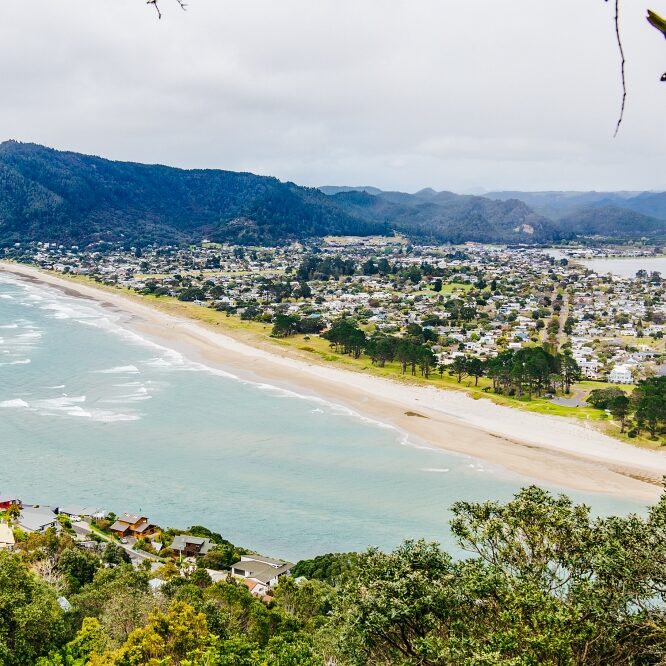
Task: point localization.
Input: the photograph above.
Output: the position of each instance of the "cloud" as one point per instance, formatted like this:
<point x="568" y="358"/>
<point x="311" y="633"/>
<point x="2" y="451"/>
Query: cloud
<point x="453" y="95"/>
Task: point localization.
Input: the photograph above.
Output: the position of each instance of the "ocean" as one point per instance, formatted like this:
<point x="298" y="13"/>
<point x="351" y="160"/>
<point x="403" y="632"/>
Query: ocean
<point x="92" y="414"/>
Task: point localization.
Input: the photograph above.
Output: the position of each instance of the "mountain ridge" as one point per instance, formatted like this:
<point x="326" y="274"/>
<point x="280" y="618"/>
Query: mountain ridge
<point x="67" y="197"/>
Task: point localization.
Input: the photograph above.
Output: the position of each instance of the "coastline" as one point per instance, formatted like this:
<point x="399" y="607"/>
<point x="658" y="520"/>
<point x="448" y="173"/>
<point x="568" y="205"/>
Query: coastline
<point x="547" y="449"/>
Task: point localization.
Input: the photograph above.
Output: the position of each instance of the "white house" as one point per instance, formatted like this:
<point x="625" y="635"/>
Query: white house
<point x="261" y="569"/>
<point x="621" y="374"/>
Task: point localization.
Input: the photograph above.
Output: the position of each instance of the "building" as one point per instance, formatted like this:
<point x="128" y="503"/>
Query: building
<point x="38" y="519"/>
<point x="135" y="526"/>
<point x="261" y="569"/>
<point x="191" y="546"/>
<point x="7" y="499"/>
<point x="6" y="537"/>
<point x="76" y="513"/>
<point x="621" y="374"/>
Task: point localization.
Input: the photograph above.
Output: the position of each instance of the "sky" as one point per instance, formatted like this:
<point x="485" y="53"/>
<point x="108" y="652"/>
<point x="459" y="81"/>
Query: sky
<point x="461" y="95"/>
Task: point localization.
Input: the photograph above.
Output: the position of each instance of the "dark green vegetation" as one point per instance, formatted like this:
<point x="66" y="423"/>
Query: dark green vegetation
<point x="68" y="198"/>
<point x="647" y="406"/>
<point x="544" y="584"/>
<point x="524" y="373"/>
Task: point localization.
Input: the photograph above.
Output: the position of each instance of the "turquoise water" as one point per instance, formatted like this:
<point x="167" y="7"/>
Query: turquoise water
<point x="92" y="414"/>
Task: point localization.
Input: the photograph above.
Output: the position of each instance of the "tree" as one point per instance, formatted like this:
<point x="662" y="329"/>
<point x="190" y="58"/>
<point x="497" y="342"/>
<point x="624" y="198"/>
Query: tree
<point x="31" y="621"/>
<point x="459" y="368"/>
<point x="169" y="638"/>
<point x="570" y="370"/>
<point x="649" y="399"/>
<point x="619" y="408"/>
<point x="603" y="398"/>
<point x="284" y="325"/>
<point x="114" y="554"/>
<point x="78" y="566"/>
<point x="475" y="368"/>
<point x="545" y="583"/>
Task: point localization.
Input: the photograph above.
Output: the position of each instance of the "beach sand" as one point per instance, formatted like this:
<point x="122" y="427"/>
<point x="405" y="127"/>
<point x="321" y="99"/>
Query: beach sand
<point x="546" y="449"/>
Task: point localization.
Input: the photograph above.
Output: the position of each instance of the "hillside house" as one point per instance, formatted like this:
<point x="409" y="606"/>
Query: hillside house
<point x="129" y="525"/>
<point x="191" y="546"/>
<point x="261" y="569"/>
<point x="8" y="499"/>
<point x="38" y="519"/>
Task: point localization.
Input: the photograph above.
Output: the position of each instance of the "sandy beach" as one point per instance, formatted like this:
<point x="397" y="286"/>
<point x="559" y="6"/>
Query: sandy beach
<point x="545" y="449"/>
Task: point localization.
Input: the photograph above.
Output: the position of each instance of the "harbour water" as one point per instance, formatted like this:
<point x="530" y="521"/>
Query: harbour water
<point x="92" y="414"/>
<point x="620" y="266"/>
<point x="627" y="267"/>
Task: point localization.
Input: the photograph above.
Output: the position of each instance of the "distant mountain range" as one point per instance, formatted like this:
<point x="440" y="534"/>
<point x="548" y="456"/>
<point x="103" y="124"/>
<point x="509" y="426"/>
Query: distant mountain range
<point x="70" y="198"/>
<point x="551" y="215"/>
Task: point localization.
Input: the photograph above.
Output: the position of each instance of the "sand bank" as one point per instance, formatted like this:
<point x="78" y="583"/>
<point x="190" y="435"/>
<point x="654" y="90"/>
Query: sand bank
<point x="545" y="449"/>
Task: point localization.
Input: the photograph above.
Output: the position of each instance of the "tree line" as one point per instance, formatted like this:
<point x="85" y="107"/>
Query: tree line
<point x="526" y="372"/>
<point x="644" y="409"/>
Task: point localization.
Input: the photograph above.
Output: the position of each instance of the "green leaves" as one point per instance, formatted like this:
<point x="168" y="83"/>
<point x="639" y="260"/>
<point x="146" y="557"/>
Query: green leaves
<point x="655" y="20"/>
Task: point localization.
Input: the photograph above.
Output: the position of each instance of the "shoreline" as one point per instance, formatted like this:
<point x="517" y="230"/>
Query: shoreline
<point x="545" y="449"/>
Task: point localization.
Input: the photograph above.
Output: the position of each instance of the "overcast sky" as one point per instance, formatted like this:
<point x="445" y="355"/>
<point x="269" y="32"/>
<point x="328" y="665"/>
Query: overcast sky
<point x="466" y="95"/>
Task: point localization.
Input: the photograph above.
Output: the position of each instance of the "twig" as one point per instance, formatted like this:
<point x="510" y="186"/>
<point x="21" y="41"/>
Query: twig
<point x="155" y="4"/>
<point x="623" y="66"/>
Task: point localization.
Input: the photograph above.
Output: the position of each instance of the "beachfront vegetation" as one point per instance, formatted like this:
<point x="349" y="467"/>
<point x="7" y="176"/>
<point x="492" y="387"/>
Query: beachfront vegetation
<point x="542" y="583"/>
<point x="647" y="405"/>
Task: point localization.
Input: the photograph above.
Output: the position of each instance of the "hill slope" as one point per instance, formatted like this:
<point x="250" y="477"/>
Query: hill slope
<point x="66" y="197"/>
<point x="71" y="198"/>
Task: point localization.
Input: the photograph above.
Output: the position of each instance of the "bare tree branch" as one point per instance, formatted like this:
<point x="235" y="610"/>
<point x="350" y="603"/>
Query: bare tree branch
<point x="155" y="3"/>
<point x="623" y="66"/>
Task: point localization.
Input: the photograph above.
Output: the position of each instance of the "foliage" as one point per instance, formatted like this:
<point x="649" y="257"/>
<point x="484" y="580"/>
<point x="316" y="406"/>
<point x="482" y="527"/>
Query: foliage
<point x="31" y="621"/>
<point x="546" y="585"/>
<point x="543" y="583"/>
<point x="332" y="568"/>
<point x="602" y="398"/>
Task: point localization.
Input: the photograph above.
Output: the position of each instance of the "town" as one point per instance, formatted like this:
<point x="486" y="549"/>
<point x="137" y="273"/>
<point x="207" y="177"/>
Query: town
<point x="127" y="538"/>
<point x="464" y="308"/>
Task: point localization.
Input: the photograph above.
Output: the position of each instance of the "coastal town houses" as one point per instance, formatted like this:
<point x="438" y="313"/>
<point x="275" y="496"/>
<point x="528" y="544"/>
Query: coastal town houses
<point x="38" y="519"/>
<point x="190" y="546"/>
<point x="8" y="499"/>
<point x="261" y="569"/>
<point x="77" y="513"/>
<point x="129" y="525"/>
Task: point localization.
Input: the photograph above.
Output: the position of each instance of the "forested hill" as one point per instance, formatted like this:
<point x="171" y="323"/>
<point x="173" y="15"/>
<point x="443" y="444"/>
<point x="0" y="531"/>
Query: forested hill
<point x="71" y="198"/>
<point x="66" y="197"/>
